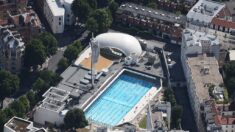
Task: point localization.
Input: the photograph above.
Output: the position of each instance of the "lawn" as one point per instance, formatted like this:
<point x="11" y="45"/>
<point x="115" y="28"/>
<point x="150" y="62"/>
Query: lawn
<point x="143" y="122"/>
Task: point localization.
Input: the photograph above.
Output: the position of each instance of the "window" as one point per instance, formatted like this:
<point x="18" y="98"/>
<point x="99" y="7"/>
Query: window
<point x="59" y="23"/>
<point x="60" y="18"/>
<point x="68" y="15"/>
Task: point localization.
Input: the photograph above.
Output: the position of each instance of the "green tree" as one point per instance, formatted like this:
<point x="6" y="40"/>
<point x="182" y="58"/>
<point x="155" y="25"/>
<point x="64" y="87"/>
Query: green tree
<point x="50" y="42"/>
<point x="75" y="119"/>
<point x="176" y="114"/>
<point x="92" y="25"/>
<point x="35" y="54"/>
<point x="24" y="100"/>
<point x="92" y="3"/>
<point x="81" y="9"/>
<point x="113" y="8"/>
<point x="32" y="97"/>
<point x="62" y="65"/>
<point x="103" y="3"/>
<point x="103" y="19"/>
<point x="152" y="5"/>
<point x="39" y="85"/>
<point x="19" y="108"/>
<point x="71" y="53"/>
<point x="9" y="84"/>
<point x="178" y="13"/>
<point x="168" y="95"/>
<point x="50" y="78"/>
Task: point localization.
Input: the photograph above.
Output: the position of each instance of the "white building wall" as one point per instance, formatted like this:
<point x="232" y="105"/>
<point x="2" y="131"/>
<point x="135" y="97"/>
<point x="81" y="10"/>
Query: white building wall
<point x="42" y="115"/>
<point x="7" y="129"/>
<point x="69" y="17"/>
<point x="55" y="21"/>
<point x="228" y="128"/>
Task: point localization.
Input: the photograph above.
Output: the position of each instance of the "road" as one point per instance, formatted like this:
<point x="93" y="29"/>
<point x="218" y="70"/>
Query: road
<point x="52" y="65"/>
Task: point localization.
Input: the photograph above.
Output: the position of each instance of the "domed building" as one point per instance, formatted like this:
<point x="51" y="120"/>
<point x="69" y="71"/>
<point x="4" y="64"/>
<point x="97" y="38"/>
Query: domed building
<point x="119" y="44"/>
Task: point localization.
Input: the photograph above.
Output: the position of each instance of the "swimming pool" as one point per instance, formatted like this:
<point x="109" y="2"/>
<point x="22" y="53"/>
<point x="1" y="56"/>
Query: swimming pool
<point x="118" y="99"/>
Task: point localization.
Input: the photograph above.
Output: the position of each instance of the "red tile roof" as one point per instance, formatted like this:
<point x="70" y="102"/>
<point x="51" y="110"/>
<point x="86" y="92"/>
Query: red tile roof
<point x="222" y="120"/>
<point x="224" y="23"/>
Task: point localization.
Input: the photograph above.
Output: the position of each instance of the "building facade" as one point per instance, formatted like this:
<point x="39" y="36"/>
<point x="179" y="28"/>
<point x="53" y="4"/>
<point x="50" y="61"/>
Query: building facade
<point x="58" y="14"/>
<point x="17" y="124"/>
<point x="12" y="48"/>
<point x="164" y="25"/>
<point x="199" y="57"/>
<point x="51" y="110"/>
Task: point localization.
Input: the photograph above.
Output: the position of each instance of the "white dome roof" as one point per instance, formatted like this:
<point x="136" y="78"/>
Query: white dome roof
<point x="124" y="42"/>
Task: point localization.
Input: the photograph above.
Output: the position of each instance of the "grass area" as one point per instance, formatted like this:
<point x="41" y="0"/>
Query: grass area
<point x="143" y="122"/>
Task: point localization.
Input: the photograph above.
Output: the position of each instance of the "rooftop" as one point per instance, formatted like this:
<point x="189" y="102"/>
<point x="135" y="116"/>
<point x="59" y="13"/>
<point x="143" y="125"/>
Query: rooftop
<point x="52" y="104"/>
<point x="232" y="55"/>
<point x="56" y="94"/>
<point x="223" y="23"/>
<point x="204" y="71"/>
<point x="152" y="13"/>
<point x="18" y="125"/>
<point x="56" y="8"/>
<point x="205" y="10"/>
<point x="197" y="38"/>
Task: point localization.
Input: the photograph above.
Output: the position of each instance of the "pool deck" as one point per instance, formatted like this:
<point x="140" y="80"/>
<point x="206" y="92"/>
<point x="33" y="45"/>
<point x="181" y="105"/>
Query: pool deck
<point x="138" y="108"/>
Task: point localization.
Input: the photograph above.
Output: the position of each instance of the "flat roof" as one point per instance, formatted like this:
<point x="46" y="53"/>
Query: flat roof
<point x="56" y="94"/>
<point x="153" y="13"/>
<point x="205" y="10"/>
<point x="56" y="8"/>
<point x="18" y="125"/>
<point x="53" y="105"/>
<point x="232" y="55"/>
<point x="193" y="37"/>
<point x="103" y="63"/>
<point x="198" y="66"/>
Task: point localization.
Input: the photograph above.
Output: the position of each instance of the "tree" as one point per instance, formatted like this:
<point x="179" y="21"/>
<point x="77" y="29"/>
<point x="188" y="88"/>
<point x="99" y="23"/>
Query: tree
<point x="113" y="7"/>
<point x="24" y="100"/>
<point x="92" y="3"/>
<point x="178" y="13"/>
<point x="103" y="19"/>
<point x="35" y="54"/>
<point x="152" y="5"/>
<point x="50" y="78"/>
<point x="71" y="53"/>
<point x="19" y="108"/>
<point x="32" y="97"/>
<point x="103" y="3"/>
<point x="176" y="114"/>
<point x="39" y="85"/>
<point x="9" y="84"/>
<point x="168" y="95"/>
<point x="50" y="43"/>
<point x="92" y="25"/>
<point x="81" y="9"/>
<point x="62" y="65"/>
<point x="75" y="119"/>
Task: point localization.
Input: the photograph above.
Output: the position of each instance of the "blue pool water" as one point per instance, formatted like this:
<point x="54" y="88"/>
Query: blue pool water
<point x="118" y="99"/>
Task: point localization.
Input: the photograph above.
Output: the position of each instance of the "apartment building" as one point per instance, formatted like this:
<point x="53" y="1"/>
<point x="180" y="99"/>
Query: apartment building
<point x="54" y="13"/>
<point x="12" y="48"/>
<point x="26" y="22"/>
<point x="58" y="14"/>
<point x="52" y="109"/>
<point x="218" y="119"/>
<point x="16" y="124"/>
<point x="198" y="43"/>
<point x="163" y="24"/>
<point x="199" y="57"/>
